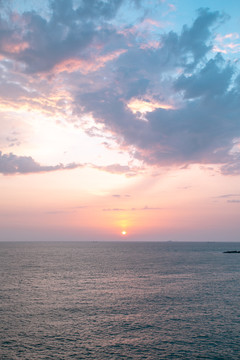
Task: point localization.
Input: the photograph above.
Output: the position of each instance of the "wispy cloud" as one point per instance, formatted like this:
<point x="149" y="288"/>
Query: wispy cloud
<point x="230" y="198"/>
<point x="121" y="196"/>
<point x="226" y="196"/>
<point x="145" y="208"/>
<point x="126" y="170"/>
<point x="58" y="212"/>
<point x="229" y="43"/>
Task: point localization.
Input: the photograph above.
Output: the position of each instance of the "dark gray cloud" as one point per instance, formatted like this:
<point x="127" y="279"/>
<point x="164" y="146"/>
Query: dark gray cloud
<point x="11" y="164"/>
<point x="193" y="40"/>
<point x="211" y="80"/>
<point x="92" y="9"/>
<point x="176" y="50"/>
<point x="52" y="42"/>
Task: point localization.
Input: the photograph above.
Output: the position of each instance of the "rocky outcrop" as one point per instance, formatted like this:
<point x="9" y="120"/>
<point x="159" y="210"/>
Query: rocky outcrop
<point x="231" y="252"/>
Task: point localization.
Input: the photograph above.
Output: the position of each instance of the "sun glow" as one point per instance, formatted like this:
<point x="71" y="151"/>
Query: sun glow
<point x="149" y="105"/>
<point x="124" y="233"/>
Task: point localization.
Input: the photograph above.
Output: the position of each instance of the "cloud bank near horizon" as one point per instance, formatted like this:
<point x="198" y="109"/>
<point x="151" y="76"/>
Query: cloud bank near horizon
<point x="11" y="164"/>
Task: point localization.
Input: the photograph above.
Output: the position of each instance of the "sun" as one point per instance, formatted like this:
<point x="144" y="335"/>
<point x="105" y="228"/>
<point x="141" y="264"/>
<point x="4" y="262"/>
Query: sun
<point x="124" y="233"/>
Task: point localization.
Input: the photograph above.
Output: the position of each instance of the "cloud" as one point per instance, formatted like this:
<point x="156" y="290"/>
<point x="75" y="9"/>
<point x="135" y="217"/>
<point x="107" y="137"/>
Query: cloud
<point x="145" y="208"/>
<point x="11" y="164"/>
<point x="224" y="196"/>
<point x="121" y="196"/>
<point x="172" y="7"/>
<point x="150" y="208"/>
<point x="58" y="212"/>
<point x="188" y="94"/>
<point x="203" y="124"/>
<point x="228" y="43"/>
<point x="69" y="36"/>
<point x="232" y="167"/>
<point x="71" y="210"/>
<point x="114" y="209"/>
<point x="144" y="106"/>
<point x="211" y="80"/>
<point x="119" y="169"/>
<point x="86" y="65"/>
<point x="72" y="36"/>
<point x="194" y="39"/>
<point x="230" y="198"/>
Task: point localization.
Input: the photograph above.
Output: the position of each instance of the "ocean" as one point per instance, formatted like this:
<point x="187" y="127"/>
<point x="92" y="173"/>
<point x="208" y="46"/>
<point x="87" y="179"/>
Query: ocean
<point x="119" y="300"/>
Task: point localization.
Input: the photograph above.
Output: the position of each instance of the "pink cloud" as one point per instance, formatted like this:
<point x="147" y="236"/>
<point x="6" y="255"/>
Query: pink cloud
<point x="86" y="66"/>
<point x="15" y="48"/>
<point x="144" y="26"/>
<point x="227" y="43"/>
<point x="172" y="7"/>
<point x="126" y="170"/>
<point x="151" y="44"/>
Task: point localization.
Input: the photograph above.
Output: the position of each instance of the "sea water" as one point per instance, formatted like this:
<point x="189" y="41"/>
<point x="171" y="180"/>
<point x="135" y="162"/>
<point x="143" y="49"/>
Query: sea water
<point x="96" y="300"/>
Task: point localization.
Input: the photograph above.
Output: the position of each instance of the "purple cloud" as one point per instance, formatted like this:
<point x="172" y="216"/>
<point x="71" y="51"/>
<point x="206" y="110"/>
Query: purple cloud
<point x="69" y="33"/>
<point x="113" y="68"/>
<point x="202" y="128"/>
<point x="11" y="164"/>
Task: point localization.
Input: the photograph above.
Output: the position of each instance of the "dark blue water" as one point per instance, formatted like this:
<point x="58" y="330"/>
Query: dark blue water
<point x="119" y="301"/>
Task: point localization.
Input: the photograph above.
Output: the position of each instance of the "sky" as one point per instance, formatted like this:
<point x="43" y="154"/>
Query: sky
<point x="120" y="120"/>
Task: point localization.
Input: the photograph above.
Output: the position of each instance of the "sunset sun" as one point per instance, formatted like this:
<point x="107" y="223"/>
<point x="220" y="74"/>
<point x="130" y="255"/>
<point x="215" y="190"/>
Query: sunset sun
<point x="124" y="233"/>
